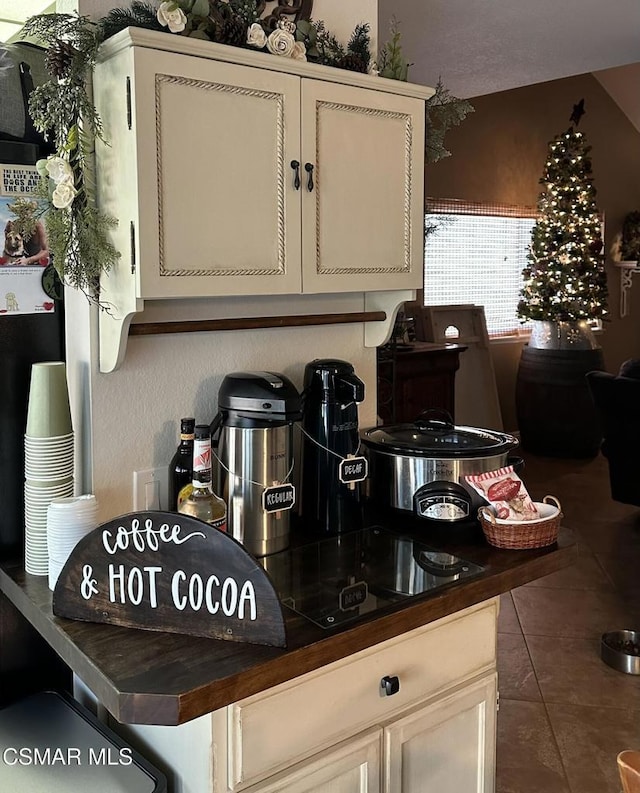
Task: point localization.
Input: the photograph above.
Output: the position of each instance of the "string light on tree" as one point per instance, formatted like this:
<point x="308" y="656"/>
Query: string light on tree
<point x="565" y="278"/>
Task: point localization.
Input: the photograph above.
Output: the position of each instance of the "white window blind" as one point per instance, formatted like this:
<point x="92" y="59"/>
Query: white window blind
<point x="475" y="255"/>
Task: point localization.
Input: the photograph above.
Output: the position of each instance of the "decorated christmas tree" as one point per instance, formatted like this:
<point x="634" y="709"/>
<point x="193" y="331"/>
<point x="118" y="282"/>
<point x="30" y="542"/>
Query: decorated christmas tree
<point x="565" y="278"/>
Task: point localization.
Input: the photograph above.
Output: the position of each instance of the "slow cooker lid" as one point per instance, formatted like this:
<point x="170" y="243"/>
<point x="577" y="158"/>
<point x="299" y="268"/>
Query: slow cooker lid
<point x="429" y="437"/>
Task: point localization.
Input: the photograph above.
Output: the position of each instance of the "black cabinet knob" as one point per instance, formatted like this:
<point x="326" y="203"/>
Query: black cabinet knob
<point x="390" y="685"/>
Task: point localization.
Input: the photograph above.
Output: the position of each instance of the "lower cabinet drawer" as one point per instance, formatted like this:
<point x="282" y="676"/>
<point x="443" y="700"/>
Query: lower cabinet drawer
<point x="290" y="722"/>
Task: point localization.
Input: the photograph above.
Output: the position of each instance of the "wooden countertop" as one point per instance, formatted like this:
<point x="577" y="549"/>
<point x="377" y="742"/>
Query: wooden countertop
<point x="144" y="677"/>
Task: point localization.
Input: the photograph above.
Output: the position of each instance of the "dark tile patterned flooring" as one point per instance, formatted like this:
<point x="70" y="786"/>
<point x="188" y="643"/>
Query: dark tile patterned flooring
<point x="564" y="715"/>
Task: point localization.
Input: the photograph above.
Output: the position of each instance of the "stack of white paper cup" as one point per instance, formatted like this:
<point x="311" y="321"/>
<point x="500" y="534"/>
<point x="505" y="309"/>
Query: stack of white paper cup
<point x="68" y="521"/>
<point x="48" y="452"/>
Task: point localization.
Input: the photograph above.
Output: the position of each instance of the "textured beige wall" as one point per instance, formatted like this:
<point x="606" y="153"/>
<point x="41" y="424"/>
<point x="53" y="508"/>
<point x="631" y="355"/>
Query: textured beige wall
<point x="499" y="154"/>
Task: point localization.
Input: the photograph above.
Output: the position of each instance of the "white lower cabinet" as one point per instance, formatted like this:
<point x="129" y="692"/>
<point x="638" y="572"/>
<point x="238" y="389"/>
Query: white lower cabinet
<point x="352" y="767"/>
<point x="334" y="730"/>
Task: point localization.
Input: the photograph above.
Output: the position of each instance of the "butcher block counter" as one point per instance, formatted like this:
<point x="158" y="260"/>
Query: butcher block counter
<point x="160" y="678"/>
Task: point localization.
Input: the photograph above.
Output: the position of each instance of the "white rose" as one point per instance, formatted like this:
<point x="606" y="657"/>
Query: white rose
<point x="256" y="36"/>
<point x="59" y="170"/>
<point x="171" y="16"/>
<point x="280" y="42"/>
<point x="63" y="195"/>
<point x="299" y="51"/>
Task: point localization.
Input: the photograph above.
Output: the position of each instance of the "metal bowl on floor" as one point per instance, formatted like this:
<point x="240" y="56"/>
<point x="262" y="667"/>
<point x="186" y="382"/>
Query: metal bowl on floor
<point x="621" y="651"/>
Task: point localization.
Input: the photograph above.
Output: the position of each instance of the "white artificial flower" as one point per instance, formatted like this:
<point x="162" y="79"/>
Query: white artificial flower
<point x="299" y="51"/>
<point x="172" y="16"/>
<point x="280" y="42"/>
<point x="63" y="195"/>
<point x="256" y="36"/>
<point x="59" y="170"/>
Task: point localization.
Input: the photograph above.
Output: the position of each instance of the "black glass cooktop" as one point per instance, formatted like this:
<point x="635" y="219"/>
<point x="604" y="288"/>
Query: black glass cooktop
<point x="339" y="579"/>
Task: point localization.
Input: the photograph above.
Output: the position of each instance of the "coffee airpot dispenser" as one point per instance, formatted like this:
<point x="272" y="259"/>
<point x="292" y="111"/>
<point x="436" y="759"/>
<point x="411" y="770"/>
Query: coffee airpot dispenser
<point x="330" y="397"/>
<point x="252" y="437"/>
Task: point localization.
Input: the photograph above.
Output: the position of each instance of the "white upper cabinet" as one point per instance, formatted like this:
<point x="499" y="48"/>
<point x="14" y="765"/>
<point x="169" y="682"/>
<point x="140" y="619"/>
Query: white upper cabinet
<point x="233" y="172"/>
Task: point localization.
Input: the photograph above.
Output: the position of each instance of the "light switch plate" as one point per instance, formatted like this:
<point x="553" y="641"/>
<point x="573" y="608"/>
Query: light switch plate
<point x="151" y="489"/>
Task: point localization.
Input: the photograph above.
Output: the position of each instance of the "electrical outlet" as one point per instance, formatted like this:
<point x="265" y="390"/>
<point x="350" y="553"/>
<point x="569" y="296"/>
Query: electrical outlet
<point x="151" y="489"/>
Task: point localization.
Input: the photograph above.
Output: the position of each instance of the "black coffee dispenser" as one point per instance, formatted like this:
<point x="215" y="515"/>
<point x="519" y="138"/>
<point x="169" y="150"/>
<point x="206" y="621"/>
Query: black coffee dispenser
<point x="330" y="397"/>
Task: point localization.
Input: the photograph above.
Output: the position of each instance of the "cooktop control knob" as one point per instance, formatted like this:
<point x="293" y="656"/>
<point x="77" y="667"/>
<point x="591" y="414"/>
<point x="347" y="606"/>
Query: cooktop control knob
<point x="389" y="685"/>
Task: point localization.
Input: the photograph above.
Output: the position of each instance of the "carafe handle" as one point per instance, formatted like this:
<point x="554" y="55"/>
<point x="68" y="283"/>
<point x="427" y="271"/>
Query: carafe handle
<point x="349" y="388"/>
<point x="214" y="427"/>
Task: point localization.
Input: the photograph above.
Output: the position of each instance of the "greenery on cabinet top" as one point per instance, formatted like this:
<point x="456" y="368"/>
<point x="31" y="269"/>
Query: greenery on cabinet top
<point x="62" y="109"/>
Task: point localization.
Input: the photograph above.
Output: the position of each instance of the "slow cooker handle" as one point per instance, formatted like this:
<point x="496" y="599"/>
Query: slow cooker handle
<point x="435" y="420"/>
<point x="516" y="462"/>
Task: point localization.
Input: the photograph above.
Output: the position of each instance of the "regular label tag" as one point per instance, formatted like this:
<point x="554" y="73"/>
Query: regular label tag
<point x="353" y="469"/>
<point x="278" y="497"/>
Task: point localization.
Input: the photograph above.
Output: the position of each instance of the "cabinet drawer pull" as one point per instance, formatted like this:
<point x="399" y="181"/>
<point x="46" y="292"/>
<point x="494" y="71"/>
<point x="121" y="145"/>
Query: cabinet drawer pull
<point x="309" y="169"/>
<point x="296" y="167"/>
<point x="389" y="685"/>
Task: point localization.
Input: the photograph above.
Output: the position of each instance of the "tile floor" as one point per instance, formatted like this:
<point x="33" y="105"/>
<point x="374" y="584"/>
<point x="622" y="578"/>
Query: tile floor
<point x="564" y="715"/>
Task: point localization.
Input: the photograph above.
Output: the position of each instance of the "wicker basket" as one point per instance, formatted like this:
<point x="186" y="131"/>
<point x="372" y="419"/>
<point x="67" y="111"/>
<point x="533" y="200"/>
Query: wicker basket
<point x="518" y="534"/>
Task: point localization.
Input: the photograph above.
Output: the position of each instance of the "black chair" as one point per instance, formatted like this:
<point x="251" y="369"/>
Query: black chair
<point x="617" y="401"/>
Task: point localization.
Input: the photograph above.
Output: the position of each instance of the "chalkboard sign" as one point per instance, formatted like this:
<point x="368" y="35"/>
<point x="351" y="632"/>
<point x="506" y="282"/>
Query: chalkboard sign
<point x="162" y="571"/>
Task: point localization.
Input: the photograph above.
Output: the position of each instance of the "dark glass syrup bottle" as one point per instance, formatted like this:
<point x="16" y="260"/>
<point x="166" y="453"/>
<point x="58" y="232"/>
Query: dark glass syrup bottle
<point x="181" y="465"/>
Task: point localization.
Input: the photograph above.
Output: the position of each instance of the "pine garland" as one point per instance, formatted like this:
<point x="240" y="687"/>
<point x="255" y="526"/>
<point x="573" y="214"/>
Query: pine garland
<point x="63" y="112"/>
<point x="139" y="15"/>
<point x="358" y="56"/>
<point x="442" y="111"/>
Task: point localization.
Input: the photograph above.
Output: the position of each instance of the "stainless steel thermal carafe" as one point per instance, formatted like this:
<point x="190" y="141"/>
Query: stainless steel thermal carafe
<point x="253" y="441"/>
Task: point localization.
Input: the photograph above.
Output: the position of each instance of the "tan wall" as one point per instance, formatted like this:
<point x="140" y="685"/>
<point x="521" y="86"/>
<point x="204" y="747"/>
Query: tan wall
<point x="498" y="155"/>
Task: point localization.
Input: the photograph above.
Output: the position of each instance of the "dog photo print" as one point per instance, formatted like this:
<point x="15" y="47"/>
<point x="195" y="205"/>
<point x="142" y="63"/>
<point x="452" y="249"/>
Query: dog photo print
<point x="22" y="261"/>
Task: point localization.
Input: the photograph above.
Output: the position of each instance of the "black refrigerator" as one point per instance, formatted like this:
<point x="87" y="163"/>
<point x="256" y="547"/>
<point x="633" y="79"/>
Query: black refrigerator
<point x="25" y="338"/>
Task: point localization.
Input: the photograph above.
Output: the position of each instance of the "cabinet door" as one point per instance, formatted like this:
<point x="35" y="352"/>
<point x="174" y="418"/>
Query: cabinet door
<point x="352" y="767"/>
<point x="446" y="747"/>
<point x="363" y="221"/>
<point x="218" y="210"/>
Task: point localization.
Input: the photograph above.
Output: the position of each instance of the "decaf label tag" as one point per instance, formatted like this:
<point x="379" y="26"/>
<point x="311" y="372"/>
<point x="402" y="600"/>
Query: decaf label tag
<point x="278" y="497"/>
<point x="353" y="469"/>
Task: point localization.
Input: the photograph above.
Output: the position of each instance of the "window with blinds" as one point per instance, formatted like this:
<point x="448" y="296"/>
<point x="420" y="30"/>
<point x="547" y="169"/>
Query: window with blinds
<point x="474" y="253"/>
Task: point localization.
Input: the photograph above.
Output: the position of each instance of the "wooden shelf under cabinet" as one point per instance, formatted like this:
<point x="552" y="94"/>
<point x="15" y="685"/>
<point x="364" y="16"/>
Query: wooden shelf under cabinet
<point x="416" y="377"/>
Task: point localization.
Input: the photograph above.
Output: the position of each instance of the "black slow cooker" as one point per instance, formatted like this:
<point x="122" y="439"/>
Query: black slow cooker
<point x="420" y="467"/>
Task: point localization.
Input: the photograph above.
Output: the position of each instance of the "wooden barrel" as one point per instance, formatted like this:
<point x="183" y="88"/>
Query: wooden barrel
<point x="556" y="414"/>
